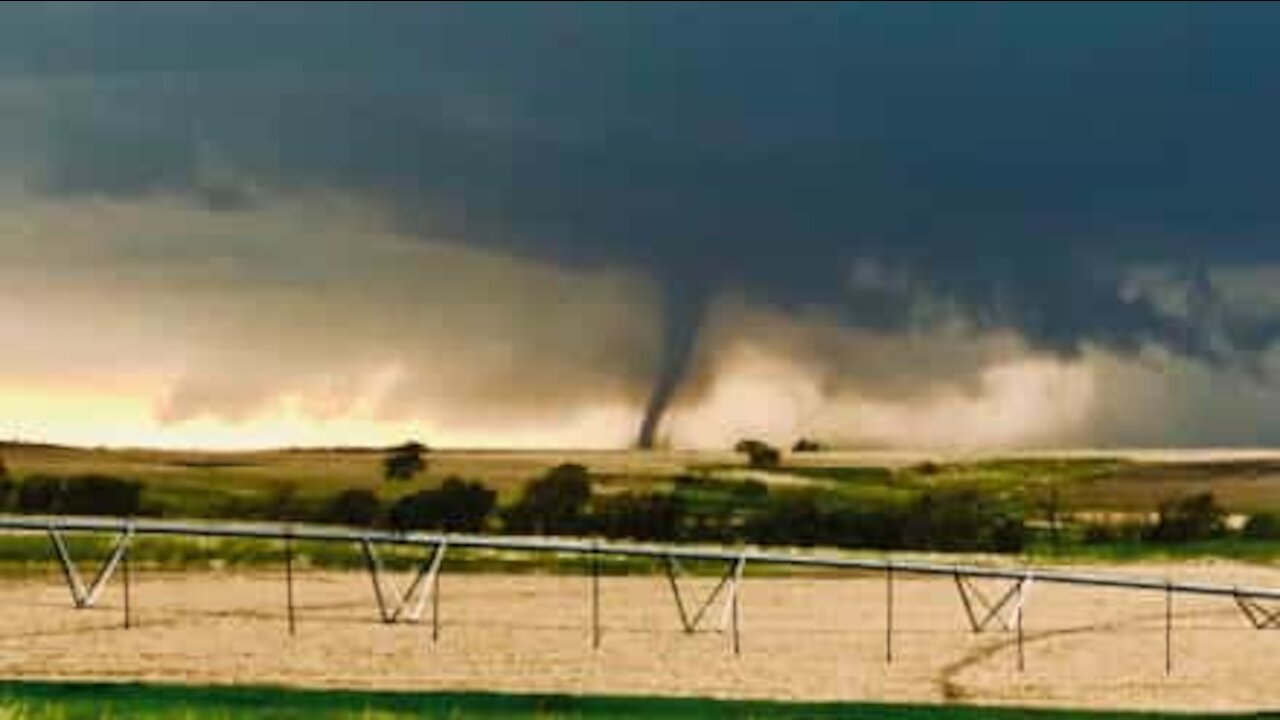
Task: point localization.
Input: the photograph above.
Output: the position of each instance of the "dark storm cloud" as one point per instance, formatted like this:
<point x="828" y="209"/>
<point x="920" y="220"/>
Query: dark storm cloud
<point x="1013" y="160"/>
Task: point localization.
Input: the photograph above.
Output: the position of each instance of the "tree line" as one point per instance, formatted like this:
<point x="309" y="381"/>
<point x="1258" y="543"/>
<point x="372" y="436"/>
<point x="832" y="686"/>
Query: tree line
<point x="566" y="501"/>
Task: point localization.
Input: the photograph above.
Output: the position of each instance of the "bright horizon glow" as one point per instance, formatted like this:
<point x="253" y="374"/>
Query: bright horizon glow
<point x="76" y="416"/>
<point x="757" y="397"/>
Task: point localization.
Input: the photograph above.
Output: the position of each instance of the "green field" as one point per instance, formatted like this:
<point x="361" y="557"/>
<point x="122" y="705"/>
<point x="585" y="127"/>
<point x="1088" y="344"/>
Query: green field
<point x="69" y="701"/>
<point x="710" y="487"/>
<point x="182" y="482"/>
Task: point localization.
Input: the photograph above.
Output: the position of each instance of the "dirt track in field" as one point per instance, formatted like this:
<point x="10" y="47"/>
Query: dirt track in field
<point x="813" y="639"/>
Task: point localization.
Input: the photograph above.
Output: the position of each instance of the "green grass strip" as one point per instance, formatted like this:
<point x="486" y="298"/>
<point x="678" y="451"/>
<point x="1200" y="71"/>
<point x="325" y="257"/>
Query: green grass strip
<point x="70" y="701"/>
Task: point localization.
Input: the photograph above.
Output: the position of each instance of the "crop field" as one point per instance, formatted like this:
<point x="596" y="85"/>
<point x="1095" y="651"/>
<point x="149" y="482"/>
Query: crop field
<point x="820" y="638"/>
<point x="209" y="615"/>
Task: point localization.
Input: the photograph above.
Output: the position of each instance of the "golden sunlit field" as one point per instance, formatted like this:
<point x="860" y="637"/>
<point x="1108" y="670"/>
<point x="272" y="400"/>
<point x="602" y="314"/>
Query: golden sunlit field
<point x="816" y="638"/>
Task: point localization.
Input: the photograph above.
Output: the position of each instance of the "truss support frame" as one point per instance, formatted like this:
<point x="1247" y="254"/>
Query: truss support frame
<point x="395" y="606"/>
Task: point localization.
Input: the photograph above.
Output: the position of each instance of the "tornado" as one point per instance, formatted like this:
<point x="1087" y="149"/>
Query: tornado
<point x="683" y="307"/>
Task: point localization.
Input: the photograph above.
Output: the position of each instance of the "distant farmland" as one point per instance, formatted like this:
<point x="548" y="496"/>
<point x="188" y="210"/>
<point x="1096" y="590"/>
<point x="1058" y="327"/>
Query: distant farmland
<point x="1088" y="490"/>
<point x="1103" y="480"/>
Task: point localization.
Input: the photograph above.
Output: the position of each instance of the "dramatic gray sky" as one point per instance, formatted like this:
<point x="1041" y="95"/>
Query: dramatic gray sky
<point x="910" y="225"/>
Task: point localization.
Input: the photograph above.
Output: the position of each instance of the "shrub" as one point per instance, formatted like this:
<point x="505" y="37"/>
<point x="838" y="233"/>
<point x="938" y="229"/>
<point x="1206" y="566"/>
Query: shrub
<point x="39" y="494"/>
<point x="92" y="494"/>
<point x="804" y="445"/>
<point x="1097" y="533"/>
<point x="875" y="527"/>
<point x="456" y="506"/>
<point x="706" y="527"/>
<point x="1103" y="533"/>
<point x="282" y="503"/>
<point x="97" y="494"/>
<point x="1264" y="526"/>
<point x="648" y="516"/>
<point x="751" y="491"/>
<point x="356" y="506"/>
<point x="691" y="483"/>
<point x="759" y="454"/>
<point x="1190" y="518"/>
<point x="962" y="519"/>
<point x="554" y="503"/>
<point x="1008" y="534"/>
<point x="789" y="519"/>
<point x="404" y="462"/>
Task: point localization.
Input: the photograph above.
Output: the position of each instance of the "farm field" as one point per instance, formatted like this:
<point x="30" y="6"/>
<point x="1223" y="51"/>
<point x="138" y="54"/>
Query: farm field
<point x="194" y="482"/>
<point x="812" y="639"/>
<point x="210" y="614"/>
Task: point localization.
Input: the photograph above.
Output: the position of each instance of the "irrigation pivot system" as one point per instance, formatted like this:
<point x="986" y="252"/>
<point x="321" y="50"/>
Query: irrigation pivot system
<point x="1259" y="606"/>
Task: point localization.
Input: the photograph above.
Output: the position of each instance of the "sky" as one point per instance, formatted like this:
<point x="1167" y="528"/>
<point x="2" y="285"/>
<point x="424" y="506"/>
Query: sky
<point x="975" y="226"/>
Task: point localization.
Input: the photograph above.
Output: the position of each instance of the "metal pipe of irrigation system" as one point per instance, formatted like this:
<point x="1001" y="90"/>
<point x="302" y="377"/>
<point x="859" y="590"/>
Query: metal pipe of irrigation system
<point x="587" y="547"/>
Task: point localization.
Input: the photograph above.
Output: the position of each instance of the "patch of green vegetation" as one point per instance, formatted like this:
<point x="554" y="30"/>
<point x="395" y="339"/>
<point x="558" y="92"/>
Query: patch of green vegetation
<point x="846" y="474"/>
<point x="1000" y="476"/>
<point x="1010" y="476"/>
<point x="72" y="701"/>
<point x="709" y="494"/>
<point x="1232" y="547"/>
<point x="862" y="484"/>
<point x="21" y="553"/>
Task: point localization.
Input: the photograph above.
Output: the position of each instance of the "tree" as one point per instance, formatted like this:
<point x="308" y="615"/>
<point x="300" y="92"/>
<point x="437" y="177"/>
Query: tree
<point x="97" y="494"/>
<point x="1194" y="517"/>
<point x="751" y="491"/>
<point x="759" y="454"/>
<point x="39" y="494"/>
<point x="793" y="518"/>
<point x="648" y="516"/>
<point x="554" y="503"/>
<point x="411" y="446"/>
<point x="356" y="506"/>
<point x="962" y="518"/>
<point x="282" y="503"/>
<point x="456" y="506"/>
<point x="6" y="484"/>
<point x="1263" y="526"/>
<point x="1049" y="501"/>
<point x="404" y="462"/>
<point x="804" y="445"/>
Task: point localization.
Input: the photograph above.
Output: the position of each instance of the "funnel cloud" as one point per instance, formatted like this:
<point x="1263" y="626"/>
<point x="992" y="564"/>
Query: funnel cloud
<point x="967" y="194"/>
<point x="684" y="309"/>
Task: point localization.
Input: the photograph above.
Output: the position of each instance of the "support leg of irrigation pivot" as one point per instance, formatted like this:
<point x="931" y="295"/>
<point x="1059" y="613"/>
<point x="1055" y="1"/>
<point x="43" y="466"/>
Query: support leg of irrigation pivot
<point x="411" y="603"/>
<point x="288" y="580"/>
<point x="82" y="595"/>
<point x="735" y="602"/>
<point x="982" y="612"/>
<point x="1258" y="615"/>
<point x="124" y="570"/>
<point x="1168" y="629"/>
<point x="435" y="594"/>
<point x="595" y="595"/>
<point x="1024" y="587"/>
<point x="730" y="613"/>
<point x="888" y="613"/>
<point x="1006" y="611"/>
